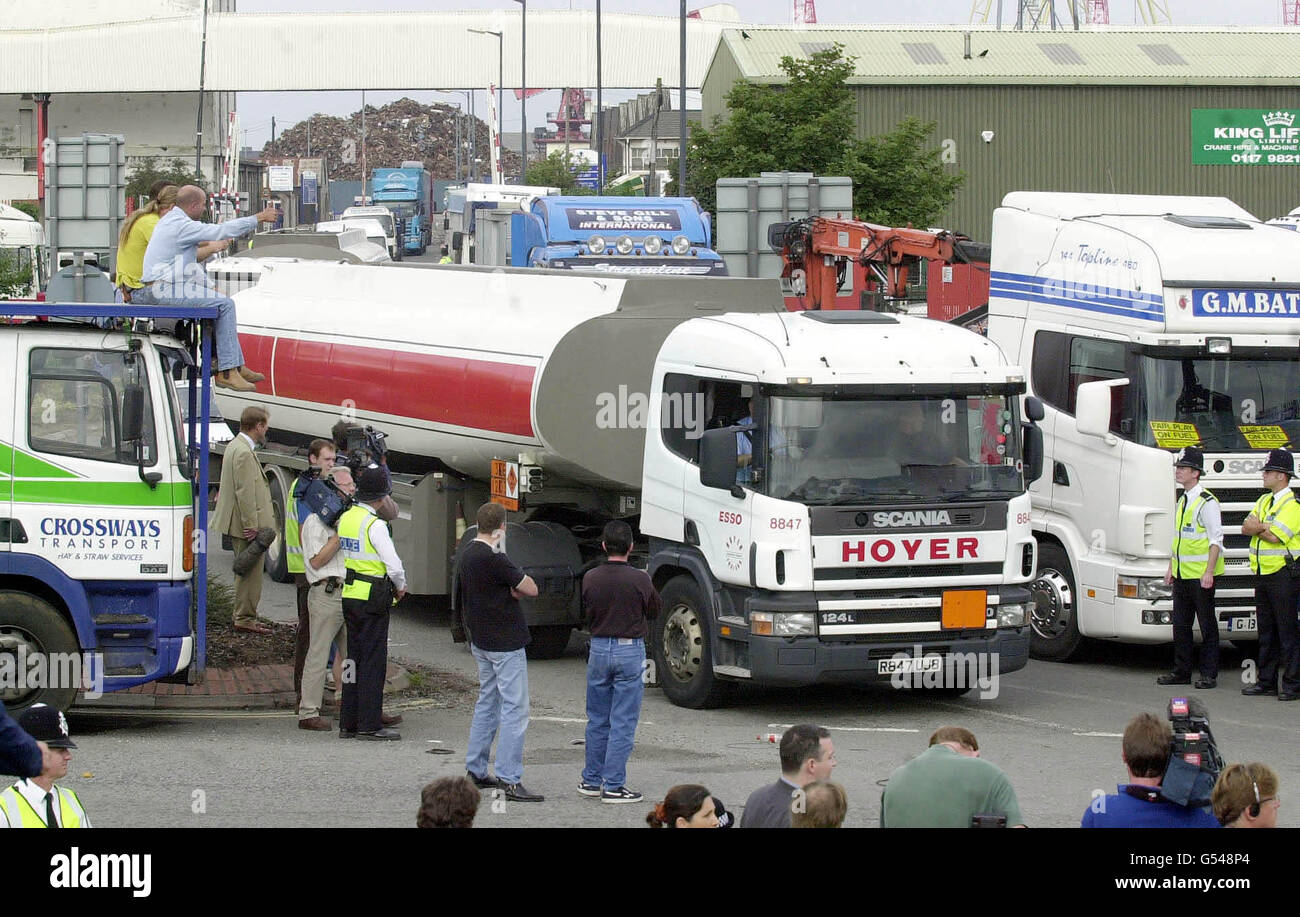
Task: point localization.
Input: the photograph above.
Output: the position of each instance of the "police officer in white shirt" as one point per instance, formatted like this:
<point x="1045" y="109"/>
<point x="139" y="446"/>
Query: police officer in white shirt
<point x="38" y="803"/>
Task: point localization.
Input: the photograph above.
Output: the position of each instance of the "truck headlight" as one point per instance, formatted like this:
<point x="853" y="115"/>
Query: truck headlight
<point x="625" y="245"/>
<point x="681" y="245"/>
<point x="782" y="624"/>
<point x="1148" y="588"/>
<point x="1012" y="615"/>
<point x="596" y="245"/>
<point x="653" y="245"/>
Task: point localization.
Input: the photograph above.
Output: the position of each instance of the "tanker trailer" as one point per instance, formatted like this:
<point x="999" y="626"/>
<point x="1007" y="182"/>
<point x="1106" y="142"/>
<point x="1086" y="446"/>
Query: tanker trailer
<point x="783" y="470"/>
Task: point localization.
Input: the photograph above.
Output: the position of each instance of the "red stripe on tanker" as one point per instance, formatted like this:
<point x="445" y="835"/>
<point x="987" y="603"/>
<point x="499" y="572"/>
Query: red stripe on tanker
<point x="475" y="394"/>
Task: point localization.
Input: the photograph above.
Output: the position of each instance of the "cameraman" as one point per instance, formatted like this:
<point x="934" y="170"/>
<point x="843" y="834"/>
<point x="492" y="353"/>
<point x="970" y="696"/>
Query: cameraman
<point x="320" y="460"/>
<point x="1138" y="804"/>
<point x="325" y="572"/>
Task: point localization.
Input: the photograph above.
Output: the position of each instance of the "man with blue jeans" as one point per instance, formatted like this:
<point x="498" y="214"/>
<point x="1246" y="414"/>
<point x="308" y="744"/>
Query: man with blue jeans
<point x="173" y="277"/>
<point x="617" y="599"/>
<point x="489" y="585"/>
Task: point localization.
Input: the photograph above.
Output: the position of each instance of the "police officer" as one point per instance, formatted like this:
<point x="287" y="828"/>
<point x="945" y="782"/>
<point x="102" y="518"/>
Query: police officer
<point x="320" y="456"/>
<point x="375" y="581"/>
<point x="1274" y="527"/>
<point x="1196" y="558"/>
<point x="38" y="803"/>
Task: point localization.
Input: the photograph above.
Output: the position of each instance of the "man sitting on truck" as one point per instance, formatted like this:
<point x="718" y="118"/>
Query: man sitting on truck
<point x="173" y="277"/>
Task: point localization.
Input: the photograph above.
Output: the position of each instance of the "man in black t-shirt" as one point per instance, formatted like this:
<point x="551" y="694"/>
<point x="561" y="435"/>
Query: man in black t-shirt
<point x="617" y="599"/>
<point x="489" y="585"/>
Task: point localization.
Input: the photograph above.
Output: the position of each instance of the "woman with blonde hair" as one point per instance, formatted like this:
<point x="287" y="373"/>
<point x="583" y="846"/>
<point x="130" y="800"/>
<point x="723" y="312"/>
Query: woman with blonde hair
<point x="1245" y="796"/>
<point x="138" y="229"/>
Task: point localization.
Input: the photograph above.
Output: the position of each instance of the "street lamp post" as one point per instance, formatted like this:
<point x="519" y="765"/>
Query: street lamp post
<point x="500" y="80"/>
<point x="600" y="138"/>
<point x="523" y="88"/>
<point x="681" y="148"/>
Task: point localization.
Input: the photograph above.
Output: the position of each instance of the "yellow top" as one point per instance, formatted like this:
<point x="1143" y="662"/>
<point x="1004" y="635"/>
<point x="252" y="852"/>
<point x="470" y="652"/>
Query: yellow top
<point x="130" y="259"/>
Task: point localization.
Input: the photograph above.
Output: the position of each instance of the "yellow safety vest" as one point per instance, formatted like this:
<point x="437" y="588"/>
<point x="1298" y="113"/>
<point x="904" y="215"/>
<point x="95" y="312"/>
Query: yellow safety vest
<point x="359" y="554"/>
<point x="20" y="814"/>
<point x="1281" y="514"/>
<point x="292" y="534"/>
<point x="1191" y="550"/>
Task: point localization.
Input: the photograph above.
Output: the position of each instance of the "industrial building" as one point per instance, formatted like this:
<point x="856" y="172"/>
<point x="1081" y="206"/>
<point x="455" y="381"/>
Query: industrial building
<point x="1103" y="111"/>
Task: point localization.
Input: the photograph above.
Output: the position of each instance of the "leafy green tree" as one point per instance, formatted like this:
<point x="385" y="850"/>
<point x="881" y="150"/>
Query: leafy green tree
<point x="555" y="171"/>
<point x="15" y="278"/>
<point x="151" y="169"/>
<point x="31" y="208"/>
<point x="806" y="125"/>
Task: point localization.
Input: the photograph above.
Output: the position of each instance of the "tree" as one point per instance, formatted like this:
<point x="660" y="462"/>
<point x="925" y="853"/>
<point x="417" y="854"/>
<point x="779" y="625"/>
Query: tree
<point x="555" y="171"/>
<point x="806" y="125"/>
<point x="31" y="208"/>
<point x="151" y="169"/>
<point x="15" y="276"/>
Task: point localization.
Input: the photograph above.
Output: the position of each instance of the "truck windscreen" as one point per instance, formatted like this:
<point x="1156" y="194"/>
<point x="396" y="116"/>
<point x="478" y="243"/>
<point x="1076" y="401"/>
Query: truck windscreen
<point x="402" y="209"/>
<point x="1230" y="402"/>
<point x="845" y="450"/>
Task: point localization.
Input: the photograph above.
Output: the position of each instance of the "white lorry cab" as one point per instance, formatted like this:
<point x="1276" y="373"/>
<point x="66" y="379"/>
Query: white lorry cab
<point x="384" y="217"/>
<point x="22" y="252"/>
<point x="1147" y="324"/>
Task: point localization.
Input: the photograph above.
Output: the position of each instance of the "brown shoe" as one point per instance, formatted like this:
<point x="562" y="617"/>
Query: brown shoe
<point x="393" y="720"/>
<point x="315" y="724"/>
<point x="233" y="380"/>
<point x="249" y="375"/>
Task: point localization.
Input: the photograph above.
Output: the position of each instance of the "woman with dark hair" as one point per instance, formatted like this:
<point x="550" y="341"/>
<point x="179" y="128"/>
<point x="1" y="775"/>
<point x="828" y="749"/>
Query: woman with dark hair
<point x="687" y="805"/>
<point x="448" y="802"/>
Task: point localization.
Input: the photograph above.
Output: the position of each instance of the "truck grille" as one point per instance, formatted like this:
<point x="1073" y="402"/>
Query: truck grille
<point x="849" y="573"/>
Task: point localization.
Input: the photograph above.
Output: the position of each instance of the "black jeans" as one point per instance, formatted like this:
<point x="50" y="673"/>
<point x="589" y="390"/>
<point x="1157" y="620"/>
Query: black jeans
<point x="1279" y="634"/>
<point x="1191" y="602"/>
<point x="362" y="706"/>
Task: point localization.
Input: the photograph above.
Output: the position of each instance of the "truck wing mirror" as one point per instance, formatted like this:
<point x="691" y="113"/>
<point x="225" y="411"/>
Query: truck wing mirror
<point x="718" y="460"/>
<point x="1092" y="408"/>
<point x="133" y="430"/>
<point x="1034" y="409"/>
<point x="1033" y="458"/>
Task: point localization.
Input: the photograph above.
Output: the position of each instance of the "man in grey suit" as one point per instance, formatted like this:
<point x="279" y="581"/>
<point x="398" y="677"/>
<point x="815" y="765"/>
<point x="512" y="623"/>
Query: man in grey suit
<point x="243" y="507"/>
<point x="807" y="754"/>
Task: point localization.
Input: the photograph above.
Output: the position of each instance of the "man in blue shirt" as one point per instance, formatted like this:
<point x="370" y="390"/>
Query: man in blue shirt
<point x="1138" y="803"/>
<point x="173" y="277"/>
<point x="20" y="754"/>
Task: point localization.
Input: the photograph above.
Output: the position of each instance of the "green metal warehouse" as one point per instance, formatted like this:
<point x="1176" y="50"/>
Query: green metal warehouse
<point x="1099" y="111"/>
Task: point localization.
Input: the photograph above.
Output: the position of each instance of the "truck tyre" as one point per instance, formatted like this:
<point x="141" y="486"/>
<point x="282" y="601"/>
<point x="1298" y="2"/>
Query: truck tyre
<point x="548" y="641"/>
<point x="33" y="623"/>
<point x="277" y="557"/>
<point x="682" y="648"/>
<point x="1054" y="618"/>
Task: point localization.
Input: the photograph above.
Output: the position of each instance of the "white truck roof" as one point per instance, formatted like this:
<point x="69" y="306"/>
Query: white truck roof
<point x="1191" y="264"/>
<point x="18" y="228"/>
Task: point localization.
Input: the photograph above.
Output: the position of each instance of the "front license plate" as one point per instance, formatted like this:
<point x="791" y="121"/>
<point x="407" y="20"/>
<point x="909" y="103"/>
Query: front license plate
<point x="910" y="665"/>
<point x="1242" y="625"/>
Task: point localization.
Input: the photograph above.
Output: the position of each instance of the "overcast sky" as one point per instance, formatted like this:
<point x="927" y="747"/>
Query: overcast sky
<point x="256" y="109"/>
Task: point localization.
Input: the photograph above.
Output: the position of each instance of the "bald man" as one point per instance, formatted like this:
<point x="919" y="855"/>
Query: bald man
<point x="172" y="276"/>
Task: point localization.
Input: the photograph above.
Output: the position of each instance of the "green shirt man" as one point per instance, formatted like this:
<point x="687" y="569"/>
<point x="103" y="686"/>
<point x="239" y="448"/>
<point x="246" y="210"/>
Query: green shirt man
<point x="946" y="785"/>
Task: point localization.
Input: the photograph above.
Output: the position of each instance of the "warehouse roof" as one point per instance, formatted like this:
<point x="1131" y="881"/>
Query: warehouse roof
<point x="1144" y="57"/>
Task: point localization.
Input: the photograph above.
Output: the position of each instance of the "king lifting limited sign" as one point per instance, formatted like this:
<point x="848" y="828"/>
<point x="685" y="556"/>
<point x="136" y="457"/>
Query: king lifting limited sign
<point x="1245" y="137"/>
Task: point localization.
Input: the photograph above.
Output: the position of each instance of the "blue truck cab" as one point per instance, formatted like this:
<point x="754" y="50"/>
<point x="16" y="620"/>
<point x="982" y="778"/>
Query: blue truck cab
<point x="622" y="235"/>
<point x="408" y="192"/>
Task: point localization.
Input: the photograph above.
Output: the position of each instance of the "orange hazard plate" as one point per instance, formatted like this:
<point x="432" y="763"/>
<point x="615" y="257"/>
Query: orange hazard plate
<point x="965" y="609"/>
<point x="508" y="503"/>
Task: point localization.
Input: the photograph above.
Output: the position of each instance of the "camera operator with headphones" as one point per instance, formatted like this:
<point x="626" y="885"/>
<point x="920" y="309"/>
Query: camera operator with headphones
<point x="1245" y="796"/>
<point x="324" y="572"/>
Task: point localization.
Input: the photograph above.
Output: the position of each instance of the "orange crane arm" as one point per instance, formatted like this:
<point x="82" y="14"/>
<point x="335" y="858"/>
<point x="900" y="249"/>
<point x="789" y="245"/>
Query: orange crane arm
<point x="817" y="252"/>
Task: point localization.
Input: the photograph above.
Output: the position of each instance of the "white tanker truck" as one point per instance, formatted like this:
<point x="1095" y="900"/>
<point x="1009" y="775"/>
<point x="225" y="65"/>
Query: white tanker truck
<point x="822" y="497"/>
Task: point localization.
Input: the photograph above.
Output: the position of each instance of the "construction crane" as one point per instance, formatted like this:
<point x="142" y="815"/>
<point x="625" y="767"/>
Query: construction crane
<point x="817" y="253"/>
<point x="1034" y="15"/>
<point x="805" y="12"/>
<point x="1153" y="12"/>
<point x="1290" y="12"/>
<point x="1097" y="12"/>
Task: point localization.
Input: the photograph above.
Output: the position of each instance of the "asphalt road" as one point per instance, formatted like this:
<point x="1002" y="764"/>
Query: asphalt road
<point x="1054" y="728"/>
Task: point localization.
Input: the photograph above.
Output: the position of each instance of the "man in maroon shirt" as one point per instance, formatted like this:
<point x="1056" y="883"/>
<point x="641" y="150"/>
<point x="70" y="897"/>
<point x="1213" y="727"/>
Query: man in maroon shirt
<point x="617" y="598"/>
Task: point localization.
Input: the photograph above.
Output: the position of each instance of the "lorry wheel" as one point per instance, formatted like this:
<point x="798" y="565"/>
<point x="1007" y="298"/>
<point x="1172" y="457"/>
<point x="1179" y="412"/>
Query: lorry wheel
<point x="276" y="557"/>
<point x="682" y="650"/>
<point x="31" y="627"/>
<point x="548" y="642"/>
<point x="1054" y="632"/>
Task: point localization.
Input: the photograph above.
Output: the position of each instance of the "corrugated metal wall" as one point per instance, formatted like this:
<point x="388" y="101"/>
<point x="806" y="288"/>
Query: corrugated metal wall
<point x="722" y="74"/>
<point x="1116" y="139"/>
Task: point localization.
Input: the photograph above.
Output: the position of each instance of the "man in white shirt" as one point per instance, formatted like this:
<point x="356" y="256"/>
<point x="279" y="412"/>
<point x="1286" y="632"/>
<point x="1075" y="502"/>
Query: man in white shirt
<point x="38" y="803"/>
<point x="172" y="276"/>
<point x="1196" y="558"/>
<point x="325" y="572"/>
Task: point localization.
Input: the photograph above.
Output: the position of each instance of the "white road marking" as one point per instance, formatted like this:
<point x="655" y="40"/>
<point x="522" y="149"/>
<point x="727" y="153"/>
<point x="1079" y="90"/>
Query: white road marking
<point x="848" y="728"/>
